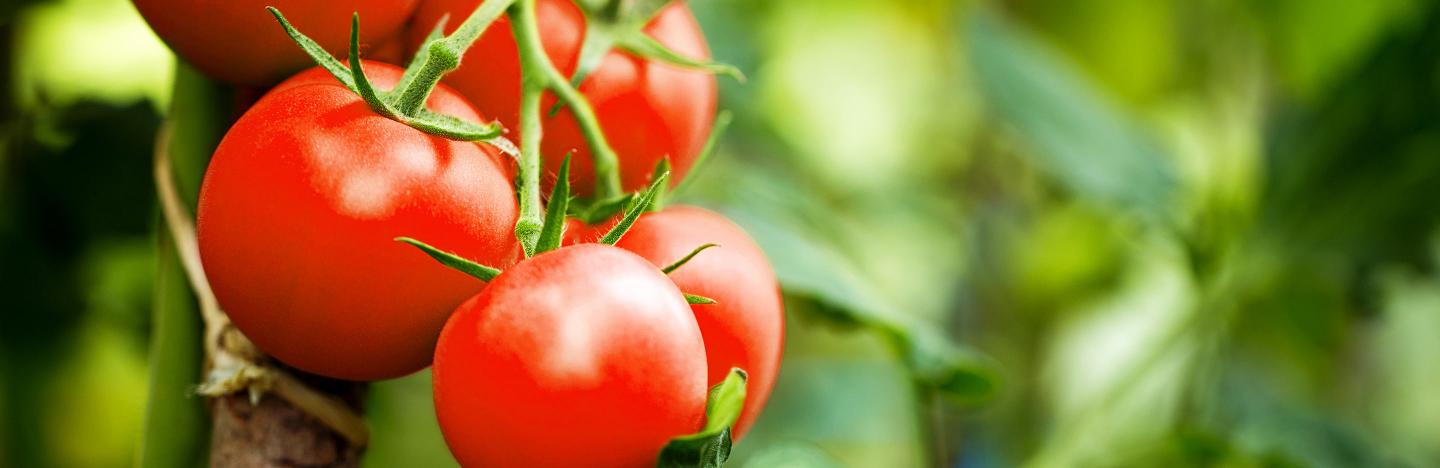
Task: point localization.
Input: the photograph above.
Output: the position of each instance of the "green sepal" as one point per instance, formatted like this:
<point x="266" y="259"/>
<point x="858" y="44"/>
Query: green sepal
<point x="640" y="44"/>
<point x="313" y="49"/>
<point x="686" y="259"/>
<point x="722" y="123"/>
<point x="661" y="167"/>
<point x="453" y="127"/>
<point x="353" y="77"/>
<point x="363" y="87"/>
<point x="710" y="447"/>
<point x="554" y="229"/>
<point x="462" y="264"/>
<point x="596" y="211"/>
<point x="641" y="206"/>
<point x="698" y="299"/>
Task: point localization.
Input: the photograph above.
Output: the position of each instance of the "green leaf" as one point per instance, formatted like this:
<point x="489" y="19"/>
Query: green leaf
<point x="697" y="299"/>
<point x="710" y="447"/>
<point x="554" y="229"/>
<point x="686" y="259"/>
<point x="662" y="167"/>
<point x="641" y="206"/>
<point x="357" y="74"/>
<point x="1076" y="135"/>
<point x="481" y="272"/>
<point x="596" y="211"/>
<point x="453" y="127"/>
<point x="640" y="44"/>
<point x="808" y="270"/>
<point x="313" y="49"/>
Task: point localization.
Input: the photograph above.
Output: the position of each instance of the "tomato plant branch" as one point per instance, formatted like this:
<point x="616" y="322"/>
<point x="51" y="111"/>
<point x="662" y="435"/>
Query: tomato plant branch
<point x="538" y="73"/>
<point x="443" y="56"/>
<point x="233" y="359"/>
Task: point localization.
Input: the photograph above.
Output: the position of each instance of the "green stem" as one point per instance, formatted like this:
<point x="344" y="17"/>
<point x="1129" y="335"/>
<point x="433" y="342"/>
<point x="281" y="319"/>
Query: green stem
<point x="536" y="66"/>
<point x="443" y="56"/>
<point x="532" y="85"/>
<point x="176" y="428"/>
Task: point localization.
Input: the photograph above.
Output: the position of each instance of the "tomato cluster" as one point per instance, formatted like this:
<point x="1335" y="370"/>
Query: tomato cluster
<point x="587" y="354"/>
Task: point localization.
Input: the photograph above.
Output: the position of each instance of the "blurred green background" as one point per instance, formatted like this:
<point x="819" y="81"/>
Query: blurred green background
<point x="1183" y="233"/>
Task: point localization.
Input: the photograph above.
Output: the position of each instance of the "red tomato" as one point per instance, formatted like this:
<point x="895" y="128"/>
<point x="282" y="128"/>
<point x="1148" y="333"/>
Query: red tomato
<point x="582" y="356"/>
<point x="238" y="42"/>
<point x="649" y="110"/>
<point x="298" y="213"/>
<point x="745" y="328"/>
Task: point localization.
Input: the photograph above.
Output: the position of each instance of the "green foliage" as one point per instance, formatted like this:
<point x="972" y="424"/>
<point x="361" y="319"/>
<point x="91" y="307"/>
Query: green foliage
<point x="710" y="447"/>
<point x="1078" y="137"/>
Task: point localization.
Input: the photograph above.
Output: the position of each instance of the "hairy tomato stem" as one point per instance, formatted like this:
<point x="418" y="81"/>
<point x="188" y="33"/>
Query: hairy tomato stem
<point x="535" y="65"/>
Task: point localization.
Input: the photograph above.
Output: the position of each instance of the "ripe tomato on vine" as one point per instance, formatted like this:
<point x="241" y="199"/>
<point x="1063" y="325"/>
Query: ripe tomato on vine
<point x="298" y="211"/>
<point x="236" y="41"/>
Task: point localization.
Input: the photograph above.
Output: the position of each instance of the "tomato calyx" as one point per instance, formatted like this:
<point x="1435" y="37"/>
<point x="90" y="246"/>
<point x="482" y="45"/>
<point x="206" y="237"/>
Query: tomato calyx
<point x="406" y="102"/>
<point x="553" y="232"/>
<point x="611" y="24"/>
<point x="710" y="447"/>
<point x="686" y="259"/>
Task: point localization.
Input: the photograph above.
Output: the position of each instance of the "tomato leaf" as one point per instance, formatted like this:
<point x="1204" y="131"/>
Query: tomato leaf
<point x="357" y="74"/>
<point x="686" y="259"/>
<point x="595" y="211"/>
<point x="464" y="265"/>
<point x="640" y="44"/>
<point x="641" y="206"/>
<point x="809" y="271"/>
<point x="661" y="167"/>
<point x="1076" y="135"/>
<point x="554" y="228"/>
<point x="697" y="299"/>
<point x="710" y="447"/>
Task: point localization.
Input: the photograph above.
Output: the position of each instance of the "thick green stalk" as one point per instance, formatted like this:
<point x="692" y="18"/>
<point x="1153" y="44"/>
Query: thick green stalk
<point x="535" y="65"/>
<point x="176" y="428"/>
<point x="532" y="84"/>
<point x="443" y="56"/>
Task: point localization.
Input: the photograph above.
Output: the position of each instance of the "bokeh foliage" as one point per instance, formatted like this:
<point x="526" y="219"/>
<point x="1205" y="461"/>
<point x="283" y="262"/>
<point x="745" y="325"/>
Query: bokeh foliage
<point x="1185" y="233"/>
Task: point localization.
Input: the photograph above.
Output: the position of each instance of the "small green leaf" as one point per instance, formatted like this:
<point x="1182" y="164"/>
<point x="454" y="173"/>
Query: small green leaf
<point x="686" y="259"/>
<point x="554" y="229"/>
<point x="481" y="272"/>
<point x="640" y="44"/>
<point x="357" y="74"/>
<point x="662" y="167"/>
<point x="1075" y="134"/>
<point x="596" y="211"/>
<point x="313" y="49"/>
<point x="812" y="271"/>
<point x="697" y="299"/>
<point x="710" y="447"/>
<point x="642" y="205"/>
<point x="452" y="127"/>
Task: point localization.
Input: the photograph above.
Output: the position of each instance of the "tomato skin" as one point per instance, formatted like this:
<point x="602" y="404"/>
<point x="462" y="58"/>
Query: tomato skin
<point x="745" y="328"/>
<point x="299" y="209"/>
<point x="582" y="356"/>
<point x="648" y="110"/>
<point x="238" y="42"/>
